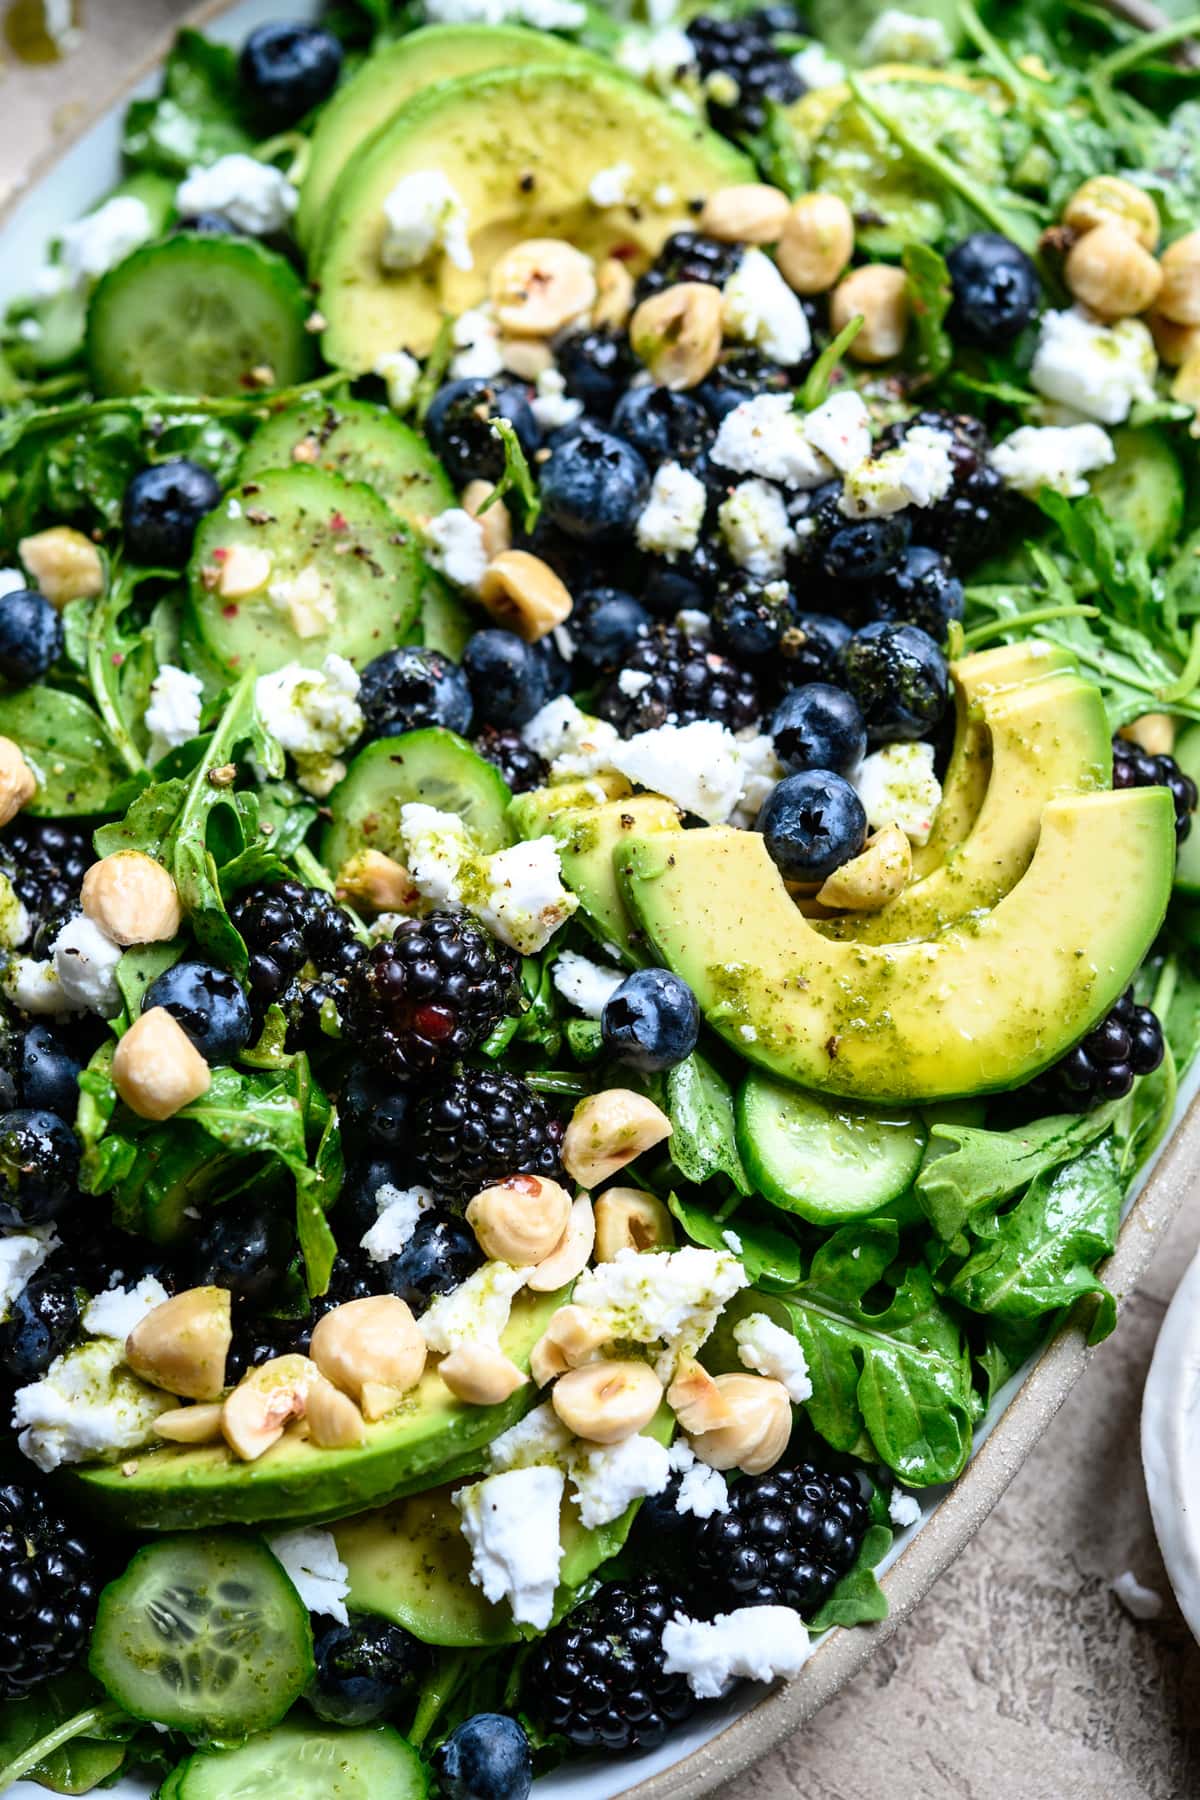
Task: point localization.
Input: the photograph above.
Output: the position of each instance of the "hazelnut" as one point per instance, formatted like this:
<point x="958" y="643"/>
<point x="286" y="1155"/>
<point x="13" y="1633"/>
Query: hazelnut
<point x="1109" y="200"/>
<point x="539" y="286"/>
<point x="816" y="243"/>
<point x="628" y="1219"/>
<point x="264" y="1402"/>
<point x="244" y="569"/>
<point x="1153" y="732"/>
<point x="1109" y="271"/>
<point x="878" y="293"/>
<point x="607" y="1402"/>
<point x="156" y="1068"/>
<point x="571" y="1255"/>
<point x="523" y="594"/>
<point x="376" y="883"/>
<point x="880" y="871"/>
<point x="132" y="898"/>
<point x="614" y="294"/>
<point x="18" y="783"/>
<point x="333" y="1420"/>
<point x="607" y="1131"/>
<point x="65" y="565"/>
<point x="519" y="1220"/>
<point x="1179" y="300"/>
<point x="496" y="522"/>
<point x="182" y="1344"/>
<point x="761" y="1427"/>
<point x="696" y="1400"/>
<point x="480" y="1374"/>
<point x="372" y="1349"/>
<point x="677" y="333"/>
<point x="747" y="213"/>
<point x="1174" y="343"/>
<point x="527" y="358"/>
<point x="191" y="1424"/>
<point x="572" y="1338"/>
<point x="1186" y="385"/>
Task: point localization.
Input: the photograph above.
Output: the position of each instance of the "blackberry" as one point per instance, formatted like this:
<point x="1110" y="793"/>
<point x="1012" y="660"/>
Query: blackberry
<point x="598" y="1678"/>
<point x="426" y="996"/>
<point x="689" y="256"/>
<point x="686" y="682"/>
<point x="741" y="375"/>
<point x="966" y="523"/>
<point x="521" y="767"/>
<point x="46" y="862"/>
<point x="750" y="617"/>
<point x="302" y="947"/>
<point x="439" y="1256"/>
<point x="1135" y="767"/>
<point x="47" y="1591"/>
<point x="481" y="1125"/>
<point x="787" y="1538"/>
<point x="743" y="51"/>
<point x="1102" y="1066"/>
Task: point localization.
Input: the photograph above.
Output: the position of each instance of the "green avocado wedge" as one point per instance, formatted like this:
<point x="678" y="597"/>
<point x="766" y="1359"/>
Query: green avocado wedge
<point x="430" y="1437"/>
<point x="987" y="1005"/>
<point x="588" y="843"/>
<point x="521" y="147"/>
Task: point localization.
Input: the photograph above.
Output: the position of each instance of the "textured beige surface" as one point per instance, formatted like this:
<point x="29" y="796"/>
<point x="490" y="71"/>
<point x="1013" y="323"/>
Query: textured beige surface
<point x="1020" y="1677"/>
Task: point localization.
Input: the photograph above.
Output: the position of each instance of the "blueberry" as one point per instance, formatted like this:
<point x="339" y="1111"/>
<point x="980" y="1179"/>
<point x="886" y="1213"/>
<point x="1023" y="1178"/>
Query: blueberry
<point x="364" y="1670"/>
<point x="651" y="1021"/>
<point x="358" y="1203"/>
<point x="438" y="1257"/>
<point x="408" y="689"/>
<point x="864" y="549"/>
<point x="211" y="224"/>
<point x="31" y="636"/>
<point x="289" y="69"/>
<point x="244" y="1246"/>
<point x="507" y="678"/>
<point x="812" y="648"/>
<point x="596" y="365"/>
<point x="594" y="486"/>
<point x="487" y="1758"/>
<point x="923" y="590"/>
<point x="39" y="1166"/>
<point x="995" y="290"/>
<point x="372" y="1109"/>
<point x="898" y="676"/>
<point x="556" y="670"/>
<point x="162" y="507"/>
<point x="209" y="1003"/>
<point x="606" y="624"/>
<point x="38" y="1326"/>
<point x="819" y="727"/>
<point x="750" y="618"/>
<point x="689" y="584"/>
<point x="661" y="424"/>
<point x="49" y="1073"/>
<point x="458" y="425"/>
<point x="811" y="824"/>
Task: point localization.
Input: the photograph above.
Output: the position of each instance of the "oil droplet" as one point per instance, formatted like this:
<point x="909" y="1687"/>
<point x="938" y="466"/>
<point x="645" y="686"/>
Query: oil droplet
<point x="42" y="31"/>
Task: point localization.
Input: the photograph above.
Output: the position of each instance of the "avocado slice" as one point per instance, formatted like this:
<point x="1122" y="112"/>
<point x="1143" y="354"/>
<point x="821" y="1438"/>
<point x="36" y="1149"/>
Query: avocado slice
<point x="588" y="841"/>
<point x="987" y="1005"/>
<point x="533" y="813"/>
<point x="393" y="75"/>
<point x="521" y="147"/>
<point x="1048" y="740"/>
<point x="430" y="1437"/>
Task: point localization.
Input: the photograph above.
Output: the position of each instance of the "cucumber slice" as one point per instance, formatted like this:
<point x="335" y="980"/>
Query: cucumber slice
<point x="359" y="442"/>
<point x="1144" y="490"/>
<point x="1187" y="867"/>
<point x="367" y="583"/>
<point x="827" y="1160"/>
<point x="308" y="1762"/>
<point x="199" y="315"/>
<point x="203" y="1633"/>
<point x="435" y="767"/>
<point x="446" y="621"/>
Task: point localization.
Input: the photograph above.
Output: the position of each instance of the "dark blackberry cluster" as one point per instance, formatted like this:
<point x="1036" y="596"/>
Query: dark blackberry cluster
<point x="743" y="375"/>
<point x="598" y="1678"/>
<point x="483" y="1124"/>
<point x="1125" y="1044"/>
<point x="424" y="997"/>
<point x="689" y="256"/>
<point x="787" y="1538"/>
<point x="521" y="767"/>
<point x="686" y="682"/>
<point x="46" y="861"/>
<point x="965" y="525"/>
<point x="302" y="948"/>
<point x="750" y="617"/>
<point x="1135" y="767"/>
<point x="744" y="50"/>
<point x="48" y="1591"/>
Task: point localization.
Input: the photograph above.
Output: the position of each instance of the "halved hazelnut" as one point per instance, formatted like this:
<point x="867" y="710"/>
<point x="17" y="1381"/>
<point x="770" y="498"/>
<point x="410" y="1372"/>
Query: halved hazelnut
<point x="520" y="1220"/>
<point x="1152" y="732"/>
<point x="156" y="1068"/>
<point x="614" y="294"/>
<point x="696" y="1400"/>
<point x="372" y="1349"/>
<point x="333" y="1420"/>
<point x="609" y="1130"/>
<point x="245" y="569"/>
<point x="132" y="898"/>
<point x="750" y="212"/>
<point x="190" y="1424"/>
<point x="264" y="1402"/>
<point x="572" y="1338"/>
<point x="376" y="883"/>
<point x="880" y="872"/>
<point x="18" y="783"/>
<point x="677" y="333"/>
<point x="628" y="1219"/>
<point x="523" y="594"/>
<point x="571" y="1254"/>
<point x="64" y="563"/>
<point x="607" y="1402"/>
<point x="760" y="1429"/>
<point x="181" y="1345"/>
<point x="480" y="1374"/>
<point x="540" y="285"/>
<point x="496" y="522"/>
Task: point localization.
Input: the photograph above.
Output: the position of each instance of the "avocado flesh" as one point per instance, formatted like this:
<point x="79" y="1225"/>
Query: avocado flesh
<point x="490" y="134"/>
<point x="533" y="813"/>
<point x="430" y="1436"/>
<point x="410" y="1563"/>
<point x="987" y="1005"/>
<point x="588" y="843"/>
<point x="1048" y="741"/>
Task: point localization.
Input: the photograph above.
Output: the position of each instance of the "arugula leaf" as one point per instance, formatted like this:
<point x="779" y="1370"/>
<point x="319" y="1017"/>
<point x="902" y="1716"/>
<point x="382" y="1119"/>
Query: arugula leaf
<point x="197" y="118"/>
<point x="69" y="748"/>
<point x="1008" y="1345"/>
<point x="703" y="1141"/>
<point x="516" y="477"/>
<point x="89" y="1731"/>
<point x="141" y="965"/>
<point x="77" y="473"/>
<point x="985" y="1167"/>
<point x="773" y="1261"/>
<point x="930" y="295"/>
<point x="815" y="390"/>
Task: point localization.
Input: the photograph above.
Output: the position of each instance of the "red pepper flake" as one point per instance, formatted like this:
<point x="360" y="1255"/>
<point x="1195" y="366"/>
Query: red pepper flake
<point x="624" y="252"/>
<point x="220" y="554"/>
<point x="339" y="522"/>
<point x="230" y="611"/>
<point x="118" y="657"/>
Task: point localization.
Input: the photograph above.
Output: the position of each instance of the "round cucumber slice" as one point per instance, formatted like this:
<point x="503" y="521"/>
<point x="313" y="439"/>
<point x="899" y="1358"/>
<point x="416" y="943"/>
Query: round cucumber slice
<point x="199" y="315"/>
<point x="827" y="1160"/>
<point x="435" y="767"/>
<point x="1187" y="867"/>
<point x="308" y="1762"/>
<point x="203" y="1633"/>
<point x="1144" y="490"/>
<point x="359" y="442"/>
<point x="446" y="620"/>
<point x="328" y="566"/>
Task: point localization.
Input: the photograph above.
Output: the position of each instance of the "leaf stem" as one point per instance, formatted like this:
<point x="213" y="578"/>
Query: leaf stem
<point x="1188" y="676"/>
<point x="815" y="391"/>
<point x="997" y="58"/>
<point x="436" y="1695"/>
<point x="50" y="418"/>
<point x="1038" y="615"/>
<point x="103" y="664"/>
<point x="94" y="1721"/>
<point x="1119" y="62"/>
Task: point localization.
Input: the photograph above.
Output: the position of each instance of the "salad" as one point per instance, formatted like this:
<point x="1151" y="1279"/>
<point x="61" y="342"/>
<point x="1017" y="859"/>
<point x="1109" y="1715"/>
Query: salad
<point x="600" y="641"/>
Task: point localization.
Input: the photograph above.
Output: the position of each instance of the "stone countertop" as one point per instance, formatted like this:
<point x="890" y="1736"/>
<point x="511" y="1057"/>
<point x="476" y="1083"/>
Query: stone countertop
<point x="1020" y="1675"/>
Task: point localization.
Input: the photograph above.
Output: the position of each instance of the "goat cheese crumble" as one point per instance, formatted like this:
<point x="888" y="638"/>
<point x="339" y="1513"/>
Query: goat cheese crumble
<point x="671" y="519"/>
<point x="400" y="1211"/>
<point x="896" y="36"/>
<point x="424" y="213"/>
<point x="118" y="1311"/>
<point x="703" y="1492"/>
<point x="608" y="1480"/>
<point x="571" y="741"/>
<point x="454" y="547"/>
<point x="903" y="1509"/>
<point x="252" y="195"/>
<point x="756" y="528"/>
<point x="584" y="984"/>
<point x="314" y="714"/>
<point x="173" y="712"/>
<point x="22" y="1254"/>
<point x="1053" y="456"/>
<point x="475" y="335"/>
<point x="755" y="1643"/>
<point x="475" y="1312"/>
<point x="1098" y="369"/>
<point x="511" y="1522"/>
<point x="400" y="374"/>
<point x="918" y="472"/>
<point x="759" y="308"/>
<point x="897" y="786"/>
<point x="93" y="245"/>
<point x="85" y="962"/>
<point x="87" y="1404"/>
<point x="698" y="766"/>
<point x="673" y="1299"/>
<point x="770" y="1350"/>
<point x="551" y="405"/>
<point x="311" y="1563"/>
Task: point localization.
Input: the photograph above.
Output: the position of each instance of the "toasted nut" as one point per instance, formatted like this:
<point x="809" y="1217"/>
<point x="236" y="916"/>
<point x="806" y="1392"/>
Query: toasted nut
<point x="526" y="357"/>
<point x="614" y="294"/>
<point x="520" y="1220"/>
<point x="876" y="875"/>
<point x="1186" y="385"/>
<point x="816" y="243"/>
<point x="607" y="1402"/>
<point x="1152" y="732"/>
<point x="495" y="523"/>
<point x="1108" y="200"/>
<point x="541" y="285"/>
<point x="333" y="1420"/>
<point x="628" y="1219"/>
<point x="571" y="1255"/>
<point x="1179" y="300"/>
<point x="572" y="1338"/>
<point x="523" y="594"/>
<point x="762" y="1425"/>
<point x="1174" y="343"/>
<point x="1109" y="271"/>
<point x="879" y="293"/>
<point x="266" y="1399"/>
<point x="376" y="883"/>
<point x="132" y="898"/>
<point x="696" y="1400"/>
<point x="607" y="1131"/>
<point x="748" y="213"/>
<point x="181" y="1345"/>
<point x="65" y="564"/>
<point x="372" y="1350"/>
<point x="156" y="1068"/>
<point x="18" y="783"/>
<point x="480" y="1374"/>
<point x="190" y="1424"/>
<point x="677" y="333"/>
<point x="244" y="569"/>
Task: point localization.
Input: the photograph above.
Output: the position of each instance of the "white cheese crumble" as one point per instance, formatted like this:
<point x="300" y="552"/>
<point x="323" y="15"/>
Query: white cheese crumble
<point x="896" y="36"/>
<point x="400" y="374"/>
<point x="660" y="59"/>
<point x="608" y="1480"/>
<point x="88" y="1404"/>
<point x="250" y="194"/>
<point x="703" y="1492"/>
<point x="454" y="547"/>
<point x="118" y="1311"/>
<point x="633" y="682"/>
<point x="770" y="1350"/>
<point x="311" y="1563"/>
<point x="518" y="893"/>
<point x="840" y="428"/>
<point x="1098" y="369"/>
<point x="543" y="15"/>
<point x="584" y="984"/>
<point x="22" y="1254"/>
<point x="816" y="68"/>
<point x="315" y="715"/>
<point x="475" y="1312"/>
<point x="307" y="601"/>
<point x="672" y="1299"/>
<point x="758" y="307"/>
<point x="762" y="771"/>
<point x="897" y="786"/>
<point x="918" y="472"/>
<point x="571" y="741"/>
<point x="671" y="519"/>
<point x="85" y="961"/>
<point x="34" y="987"/>
<point x="610" y="187"/>
<point x="695" y="625"/>
<point x="172" y="715"/>
<point x="1139" y="1601"/>
<point x="756" y="528"/>
<point x="95" y="244"/>
<point x="400" y="1212"/>
<point x="424" y="213"/>
<point x="766" y="436"/>
<point x="903" y="1509"/>
<point x="698" y="766"/>
<point x="755" y="1643"/>
<point x="511" y="1522"/>
<point x="1053" y="456"/>
<point x="540" y="1437"/>
<point x="12" y="581"/>
<point x="475" y="335"/>
<point x="551" y="405"/>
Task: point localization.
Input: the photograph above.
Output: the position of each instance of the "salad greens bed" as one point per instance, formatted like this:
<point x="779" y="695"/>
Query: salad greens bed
<point x="325" y="692"/>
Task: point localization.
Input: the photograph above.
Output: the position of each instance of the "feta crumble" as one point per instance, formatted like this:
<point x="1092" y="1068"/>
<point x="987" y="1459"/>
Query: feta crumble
<point x="551" y="405"/>
<point x="918" y="472"/>
<point x="540" y="1437"/>
<point x="584" y="984"/>
<point x="34" y="987"/>
<point x="762" y="771"/>
<point x="1053" y="456"/>
<point x="758" y="307"/>
<point x="659" y="59"/>
<point x="903" y="1509"/>
<point x="610" y="187"/>
<point x="673" y="1299"/>
<point x="816" y="68"/>
<point x="571" y="741"/>
<point x="897" y="786"/>
<point x="671" y="519"/>
<point x="88" y="1404"/>
<point x="93" y="245"/>
<point x="400" y="374"/>
<point x="698" y="766"/>
<point x="424" y="213"/>
<point x="311" y="1563"/>
<point x="840" y="428"/>
<point x="454" y="547"/>
<point x="250" y="194"/>
<point x="755" y="1643"/>
<point x="770" y="1350"/>
<point x="1098" y="369"/>
<point x="172" y="715"/>
<point x="314" y="715"/>
<point x="85" y="961"/>
<point x="22" y="1254"/>
<point x="896" y="36"/>
<point x="518" y="893"/>
<point x="756" y="528"/>
<point x="118" y="1311"/>
<point x="543" y="15"/>
<point x="400" y="1211"/>
<point x="475" y="335"/>
<point x="703" y="1492"/>
<point x="766" y="436"/>
<point x="608" y="1480"/>
<point x="511" y="1522"/>
<point x="307" y="601"/>
<point x="475" y="1312"/>
<point x="12" y="581"/>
